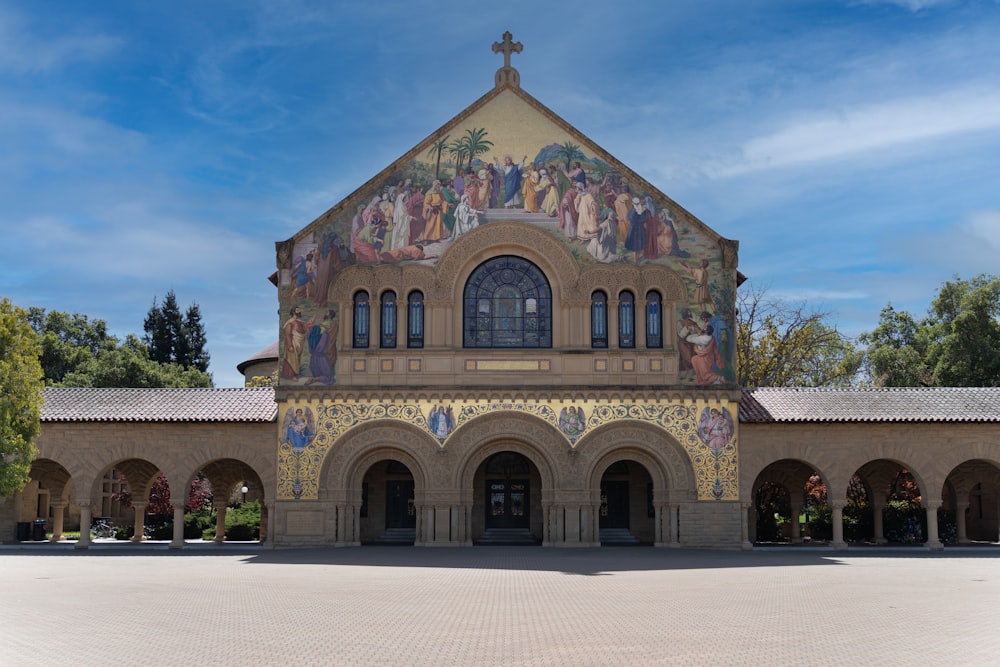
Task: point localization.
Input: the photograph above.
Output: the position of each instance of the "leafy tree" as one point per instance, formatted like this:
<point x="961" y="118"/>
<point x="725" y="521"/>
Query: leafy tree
<point x="436" y="149"/>
<point x="569" y="152"/>
<point x="67" y="341"/>
<point x="173" y="338"/>
<point x="956" y="345"/>
<point x="129" y="365"/>
<point x="458" y="151"/>
<point x="20" y="396"/>
<point x="785" y="345"/>
<point x="199" y="495"/>
<point x="476" y="143"/>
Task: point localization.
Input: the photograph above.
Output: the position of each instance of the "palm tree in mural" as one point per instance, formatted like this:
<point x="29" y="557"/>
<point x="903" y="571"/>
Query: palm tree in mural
<point x="476" y="143"/>
<point x="569" y="152"/>
<point x="458" y="151"/>
<point x="436" y="149"/>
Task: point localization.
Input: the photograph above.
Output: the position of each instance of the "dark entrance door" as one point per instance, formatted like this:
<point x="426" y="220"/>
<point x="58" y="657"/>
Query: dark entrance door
<point x="614" y="504"/>
<point x="399" y="509"/>
<point x="507" y="503"/>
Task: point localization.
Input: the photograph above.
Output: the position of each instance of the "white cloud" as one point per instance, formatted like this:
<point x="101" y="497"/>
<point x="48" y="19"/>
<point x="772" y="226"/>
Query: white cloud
<point x="912" y="5"/>
<point x="839" y="134"/>
<point x="24" y="50"/>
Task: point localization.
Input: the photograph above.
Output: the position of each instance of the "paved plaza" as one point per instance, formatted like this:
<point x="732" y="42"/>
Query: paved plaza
<point x="247" y="605"/>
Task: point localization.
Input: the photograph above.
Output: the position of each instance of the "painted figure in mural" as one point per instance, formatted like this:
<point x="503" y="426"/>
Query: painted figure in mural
<point x="472" y="187"/>
<point x="511" y="180"/>
<point x="568" y="213"/>
<point x="652" y="228"/>
<point x="410" y="253"/>
<point x="466" y="217"/>
<point x="441" y="421"/>
<point x="295" y="339"/>
<point x="357" y="224"/>
<point x="576" y="174"/>
<point x="705" y="359"/>
<point x="415" y="206"/>
<point x="370" y="240"/>
<point x="302" y="274"/>
<point x="401" y="220"/>
<point x="322" y="343"/>
<point x="299" y="428"/>
<point x="715" y="428"/>
<point x="604" y="246"/>
<point x="458" y="184"/>
<point x="333" y="256"/>
<point x="702" y="295"/>
<point x="529" y="182"/>
<point x="623" y="205"/>
<point x="572" y="421"/>
<point x="686" y="326"/>
<point x="435" y="206"/>
<point x="589" y="211"/>
<point x="548" y="194"/>
<point x="666" y="240"/>
<point x="485" y="189"/>
<point x="637" y="219"/>
<point x="494" y="175"/>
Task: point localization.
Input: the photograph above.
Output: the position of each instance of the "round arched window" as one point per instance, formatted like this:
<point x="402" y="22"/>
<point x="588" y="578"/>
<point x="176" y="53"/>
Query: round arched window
<point x="507" y="304"/>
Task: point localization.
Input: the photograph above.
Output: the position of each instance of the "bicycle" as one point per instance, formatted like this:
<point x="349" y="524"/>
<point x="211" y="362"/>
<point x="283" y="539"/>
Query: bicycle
<point x="104" y="529"/>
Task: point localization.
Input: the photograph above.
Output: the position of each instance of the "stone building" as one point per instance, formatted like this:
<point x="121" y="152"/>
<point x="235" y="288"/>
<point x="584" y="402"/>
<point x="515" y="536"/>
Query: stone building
<point x="509" y="337"/>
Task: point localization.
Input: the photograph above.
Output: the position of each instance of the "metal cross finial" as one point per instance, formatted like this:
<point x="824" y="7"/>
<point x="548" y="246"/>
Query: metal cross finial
<point x="507" y="75"/>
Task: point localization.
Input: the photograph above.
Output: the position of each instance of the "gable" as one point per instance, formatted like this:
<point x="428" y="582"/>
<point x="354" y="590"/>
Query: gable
<point x="507" y="160"/>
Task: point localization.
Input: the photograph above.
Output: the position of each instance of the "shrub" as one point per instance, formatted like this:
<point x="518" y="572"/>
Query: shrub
<point x="243" y="522"/>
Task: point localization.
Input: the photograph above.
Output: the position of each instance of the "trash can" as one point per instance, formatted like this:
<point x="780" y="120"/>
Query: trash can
<point x="38" y="530"/>
<point x="23" y="531"/>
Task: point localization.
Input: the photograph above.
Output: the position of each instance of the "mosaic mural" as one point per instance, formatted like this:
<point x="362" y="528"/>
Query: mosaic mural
<point x="506" y="162"/>
<point x="708" y="437"/>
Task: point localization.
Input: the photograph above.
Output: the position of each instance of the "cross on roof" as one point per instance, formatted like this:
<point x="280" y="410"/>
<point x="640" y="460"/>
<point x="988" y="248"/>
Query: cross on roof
<point x="507" y="75"/>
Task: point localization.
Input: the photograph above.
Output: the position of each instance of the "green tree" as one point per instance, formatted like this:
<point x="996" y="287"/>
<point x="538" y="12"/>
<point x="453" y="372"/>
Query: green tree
<point x="67" y="341"/>
<point x="785" y="345"/>
<point x="569" y="152"/>
<point x="176" y="338"/>
<point x="458" y="151"/>
<point x="20" y="397"/>
<point x="476" y="143"/>
<point x="129" y="365"/>
<point x="956" y="345"/>
<point x="436" y="149"/>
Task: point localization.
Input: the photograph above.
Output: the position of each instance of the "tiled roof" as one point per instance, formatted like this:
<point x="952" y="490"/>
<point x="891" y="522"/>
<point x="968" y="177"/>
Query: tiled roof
<point x="895" y="404"/>
<point x="251" y="404"/>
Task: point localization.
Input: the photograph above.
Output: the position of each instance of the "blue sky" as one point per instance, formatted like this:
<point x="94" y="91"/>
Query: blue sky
<point x="853" y="147"/>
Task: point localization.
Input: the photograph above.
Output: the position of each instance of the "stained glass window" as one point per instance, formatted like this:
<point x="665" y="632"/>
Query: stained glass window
<point x="362" y="318"/>
<point x="599" y="320"/>
<point x="654" y="319"/>
<point x="415" y="320"/>
<point x="626" y="320"/>
<point x="507" y="304"/>
<point x="388" y="320"/>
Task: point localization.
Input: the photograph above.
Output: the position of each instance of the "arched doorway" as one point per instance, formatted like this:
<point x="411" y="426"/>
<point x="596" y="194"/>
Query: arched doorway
<point x="510" y="510"/>
<point x="388" y="514"/>
<point x="626" y="515"/>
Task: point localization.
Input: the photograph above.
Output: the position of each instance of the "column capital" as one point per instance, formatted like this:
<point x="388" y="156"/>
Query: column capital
<point x="933" y="504"/>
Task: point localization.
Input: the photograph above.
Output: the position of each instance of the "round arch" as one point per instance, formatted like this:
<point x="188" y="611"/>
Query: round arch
<point x="355" y="451"/>
<point x="664" y="457"/>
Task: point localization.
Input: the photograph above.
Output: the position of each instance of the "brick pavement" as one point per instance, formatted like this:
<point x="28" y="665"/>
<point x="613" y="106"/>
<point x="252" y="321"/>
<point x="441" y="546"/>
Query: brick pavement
<point x="244" y="605"/>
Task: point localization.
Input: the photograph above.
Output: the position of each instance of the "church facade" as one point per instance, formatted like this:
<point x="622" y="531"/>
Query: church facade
<point x="509" y="337"/>
<point x="524" y="341"/>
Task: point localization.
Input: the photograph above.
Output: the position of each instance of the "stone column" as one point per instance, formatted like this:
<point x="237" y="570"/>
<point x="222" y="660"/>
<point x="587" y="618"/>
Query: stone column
<point x="674" y="524"/>
<point x="960" y="519"/>
<point x="838" y="525"/>
<point x="747" y="523"/>
<point x="220" y="520"/>
<point x="878" y="522"/>
<point x="796" y="526"/>
<point x="139" y="523"/>
<point x="84" y="541"/>
<point x="178" y="538"/>
<point x="58" y="514"/>
<point x="572" y="525"/>
<point x="933" y="542"/>
<point x="267" y="523"/>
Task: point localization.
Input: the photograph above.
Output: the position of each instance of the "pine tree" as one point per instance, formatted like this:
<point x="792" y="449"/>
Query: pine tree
<point x="175" y="338"/>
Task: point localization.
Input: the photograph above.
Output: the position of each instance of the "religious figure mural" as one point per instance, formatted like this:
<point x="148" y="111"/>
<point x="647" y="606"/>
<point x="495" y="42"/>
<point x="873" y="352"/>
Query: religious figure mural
<point x="298" y="428"/>
<point x="715" y="428"/>
<point x="508" y="162"/>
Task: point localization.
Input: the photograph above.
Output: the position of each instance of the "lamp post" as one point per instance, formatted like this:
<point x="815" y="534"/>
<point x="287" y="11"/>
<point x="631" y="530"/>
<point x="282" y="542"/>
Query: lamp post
<point x="243" y="490"/>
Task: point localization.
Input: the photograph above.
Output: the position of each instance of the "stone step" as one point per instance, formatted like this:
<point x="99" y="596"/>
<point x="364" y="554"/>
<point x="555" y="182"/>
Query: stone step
<point x="618" y="537"/>
<point x="507" y="537"/>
